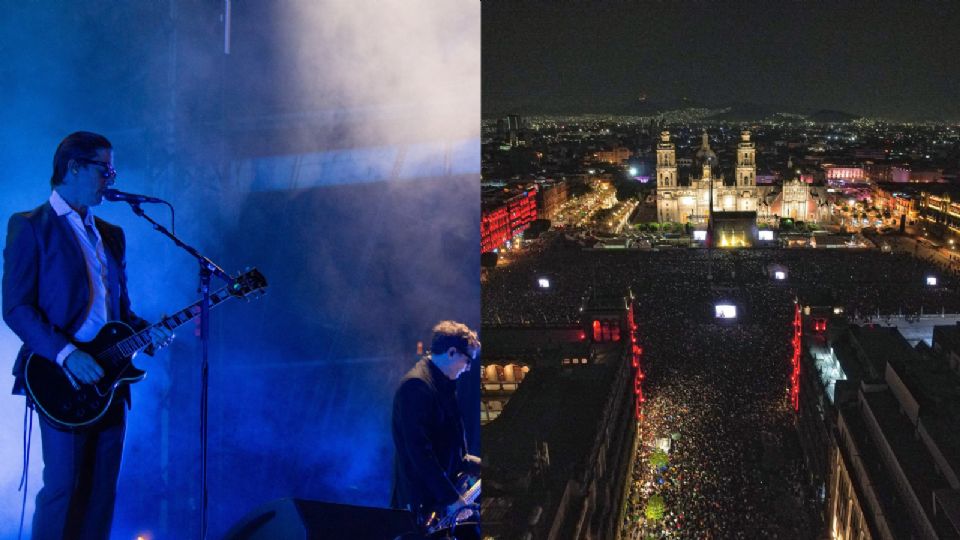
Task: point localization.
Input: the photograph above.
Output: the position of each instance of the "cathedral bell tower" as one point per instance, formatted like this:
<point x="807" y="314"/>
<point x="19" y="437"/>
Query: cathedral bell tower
<point x="666" y="162"/>
<point x="746" y="161"/>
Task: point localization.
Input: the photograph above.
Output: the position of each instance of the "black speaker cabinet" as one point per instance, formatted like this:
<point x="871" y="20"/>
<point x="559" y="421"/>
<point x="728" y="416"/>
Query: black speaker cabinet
<point x="299" y="519"/>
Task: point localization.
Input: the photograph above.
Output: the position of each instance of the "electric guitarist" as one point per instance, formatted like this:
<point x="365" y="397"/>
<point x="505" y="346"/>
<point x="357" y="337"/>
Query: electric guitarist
<point x="63" y="278"/>
<point x="428" y="433"/>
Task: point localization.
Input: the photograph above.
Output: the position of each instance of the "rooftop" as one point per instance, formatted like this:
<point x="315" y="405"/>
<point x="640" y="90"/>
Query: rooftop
<point x="558" y="406"/>
<point x="911" y="455"/>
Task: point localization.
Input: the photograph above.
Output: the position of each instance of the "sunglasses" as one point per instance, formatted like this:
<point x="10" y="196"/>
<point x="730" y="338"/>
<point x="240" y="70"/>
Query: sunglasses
<point x="108" y="171"/>
<point x="471" y="356"/>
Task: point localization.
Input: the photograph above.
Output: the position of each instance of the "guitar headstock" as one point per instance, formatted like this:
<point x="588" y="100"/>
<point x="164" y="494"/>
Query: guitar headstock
<point x="250" y="282"/>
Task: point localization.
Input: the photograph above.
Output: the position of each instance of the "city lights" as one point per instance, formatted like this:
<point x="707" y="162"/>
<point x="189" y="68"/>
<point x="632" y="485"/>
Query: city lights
<point x="761" y="240"/>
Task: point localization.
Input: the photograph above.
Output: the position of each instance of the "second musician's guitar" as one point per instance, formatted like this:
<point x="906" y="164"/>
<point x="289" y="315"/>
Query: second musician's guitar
<point x="440" y="524"/>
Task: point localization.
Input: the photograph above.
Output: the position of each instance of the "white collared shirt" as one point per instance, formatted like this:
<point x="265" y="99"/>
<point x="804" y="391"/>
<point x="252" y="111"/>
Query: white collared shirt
<point x="95" y="259"/>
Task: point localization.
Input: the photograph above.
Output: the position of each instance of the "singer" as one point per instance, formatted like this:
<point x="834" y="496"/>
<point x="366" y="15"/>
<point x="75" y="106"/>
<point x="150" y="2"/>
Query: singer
<point x="63" y="278"/>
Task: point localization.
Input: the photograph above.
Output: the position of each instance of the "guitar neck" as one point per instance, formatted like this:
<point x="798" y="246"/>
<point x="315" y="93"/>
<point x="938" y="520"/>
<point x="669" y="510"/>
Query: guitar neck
<point x="141" y="340"/>
<point x="470" y="495"/>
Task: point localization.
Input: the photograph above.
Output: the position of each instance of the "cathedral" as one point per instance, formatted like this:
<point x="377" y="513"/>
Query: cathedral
<point x="691" y="203"/>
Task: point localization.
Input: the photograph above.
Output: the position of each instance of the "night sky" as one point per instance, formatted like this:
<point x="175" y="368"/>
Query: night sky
<point x="895" y="60"/>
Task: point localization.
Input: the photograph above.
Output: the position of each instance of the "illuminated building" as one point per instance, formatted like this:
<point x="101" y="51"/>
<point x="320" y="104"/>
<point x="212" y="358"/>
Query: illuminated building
<point x="616" y="156"/>
<point x="494" y="228"/>
<point x="550" y="197"/>
<point x="897" y="200"/>
<point x="690" y="203"/>
<point x="836" y="174"/>
<point x="559" y="439"/>
<point x="795" y="199"/>
<point x="939" y="208"/>
<point x="505" y="214"/>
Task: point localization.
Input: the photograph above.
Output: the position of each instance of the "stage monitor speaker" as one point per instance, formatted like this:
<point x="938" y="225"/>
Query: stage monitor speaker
<point x="299" y="519"/>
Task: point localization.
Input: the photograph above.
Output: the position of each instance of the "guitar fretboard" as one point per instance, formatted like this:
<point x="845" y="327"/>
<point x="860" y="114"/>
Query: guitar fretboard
<point x="471" y="494"/>
<point x="141" y="340"/>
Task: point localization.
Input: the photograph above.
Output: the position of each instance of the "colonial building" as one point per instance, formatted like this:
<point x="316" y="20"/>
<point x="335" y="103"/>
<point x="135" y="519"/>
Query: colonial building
<point x="793" y="198"/>
<point x="690" y="203"/>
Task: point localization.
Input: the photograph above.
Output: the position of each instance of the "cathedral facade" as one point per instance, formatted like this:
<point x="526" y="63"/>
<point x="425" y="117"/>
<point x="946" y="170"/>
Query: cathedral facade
<point x="690" y="203"/>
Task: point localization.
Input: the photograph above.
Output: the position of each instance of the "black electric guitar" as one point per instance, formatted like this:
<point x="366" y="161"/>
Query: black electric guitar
<point x="69" y="403"/>
<point x="440" y="524"/>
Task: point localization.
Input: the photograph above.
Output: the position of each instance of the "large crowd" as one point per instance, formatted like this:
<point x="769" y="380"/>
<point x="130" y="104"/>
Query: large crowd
<point x="863" y="282"/>
<point x="718" y="391"/>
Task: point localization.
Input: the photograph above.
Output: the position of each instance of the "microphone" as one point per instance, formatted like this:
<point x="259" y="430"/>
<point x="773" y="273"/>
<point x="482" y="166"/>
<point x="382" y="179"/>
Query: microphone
<point x="116" y="196"/>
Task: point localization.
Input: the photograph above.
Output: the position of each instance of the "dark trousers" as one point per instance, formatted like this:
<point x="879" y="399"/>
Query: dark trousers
<point x="80" y="470"/>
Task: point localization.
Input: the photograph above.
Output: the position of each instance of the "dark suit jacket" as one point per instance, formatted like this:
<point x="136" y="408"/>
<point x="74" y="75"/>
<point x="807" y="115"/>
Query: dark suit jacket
<point x="429" y="439"/>
<point x="45" y="283"/>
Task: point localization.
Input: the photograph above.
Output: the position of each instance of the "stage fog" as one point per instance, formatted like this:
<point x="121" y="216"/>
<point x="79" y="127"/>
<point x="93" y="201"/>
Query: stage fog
<point x="333" y="146"/>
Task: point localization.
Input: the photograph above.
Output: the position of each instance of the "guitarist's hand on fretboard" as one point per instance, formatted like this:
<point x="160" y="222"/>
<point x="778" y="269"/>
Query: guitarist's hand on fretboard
<point x="454" y="509"/>
<point x="160" y="337"/>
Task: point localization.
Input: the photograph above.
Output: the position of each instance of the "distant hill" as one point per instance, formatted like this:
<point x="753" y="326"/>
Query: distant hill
<point x="588" y="105"/>
<point x="733" y="112"/>
<point x="827" y="116"/>
<point x="747" y="112"/>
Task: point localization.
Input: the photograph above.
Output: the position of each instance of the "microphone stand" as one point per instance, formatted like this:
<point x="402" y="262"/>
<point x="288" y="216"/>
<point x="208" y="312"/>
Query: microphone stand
<point x="207" y="269"/>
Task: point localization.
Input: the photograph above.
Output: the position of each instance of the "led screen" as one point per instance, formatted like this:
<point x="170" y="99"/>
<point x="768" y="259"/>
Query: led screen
<point x="725" y="311"/>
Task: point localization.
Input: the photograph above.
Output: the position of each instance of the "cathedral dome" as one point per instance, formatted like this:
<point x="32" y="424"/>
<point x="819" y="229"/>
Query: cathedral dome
<point x="705" y="155"/>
